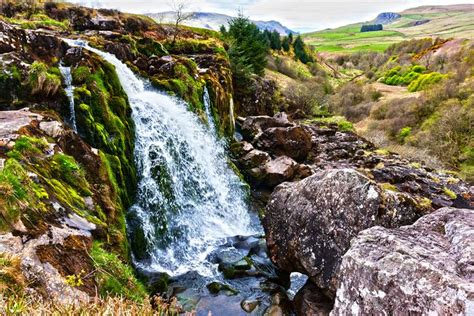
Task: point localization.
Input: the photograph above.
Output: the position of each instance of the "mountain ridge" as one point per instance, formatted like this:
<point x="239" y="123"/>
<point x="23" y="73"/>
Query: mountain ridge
<point x="213" y="21"/>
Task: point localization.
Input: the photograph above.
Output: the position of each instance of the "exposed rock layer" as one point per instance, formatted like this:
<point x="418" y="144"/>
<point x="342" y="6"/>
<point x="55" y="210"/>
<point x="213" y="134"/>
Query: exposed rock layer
<point x="424" y="268"/>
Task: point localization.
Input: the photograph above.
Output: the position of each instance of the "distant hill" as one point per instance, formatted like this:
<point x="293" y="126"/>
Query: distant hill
<point x="213" y="21"/>
<point x="426" y="21"/>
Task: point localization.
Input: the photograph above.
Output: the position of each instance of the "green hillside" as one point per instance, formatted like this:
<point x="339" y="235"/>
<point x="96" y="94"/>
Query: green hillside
<point x="444" y="21"/>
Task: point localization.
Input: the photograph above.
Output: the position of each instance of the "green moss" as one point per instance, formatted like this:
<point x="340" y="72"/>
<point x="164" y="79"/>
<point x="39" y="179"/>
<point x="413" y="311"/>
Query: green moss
<point x="382" y="152"/>
<point x="114" y="277"/>
<point x="42" y="81"/>
<point x="80" y="75"/>
<point x="67" y="169"/>
<point x="450" y="193"/>
<point x="37" y="21"/>
<point x="19" y="195"/>
<point x="104" y="118"/>
<point x="26" y="147"/>
<point x="425" y="203"/>
<point x="389" y="187"/>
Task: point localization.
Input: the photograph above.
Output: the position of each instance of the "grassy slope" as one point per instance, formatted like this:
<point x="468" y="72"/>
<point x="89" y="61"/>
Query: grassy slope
<point x="453" y="21"/>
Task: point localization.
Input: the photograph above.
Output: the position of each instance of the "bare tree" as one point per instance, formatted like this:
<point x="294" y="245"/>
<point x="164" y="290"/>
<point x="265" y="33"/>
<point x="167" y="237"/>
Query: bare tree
<point x="160" y="17"/>
<point x="181" y="13"/>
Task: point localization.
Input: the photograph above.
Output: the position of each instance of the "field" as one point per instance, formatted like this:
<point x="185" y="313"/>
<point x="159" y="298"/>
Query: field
<point x="445" y="21"/>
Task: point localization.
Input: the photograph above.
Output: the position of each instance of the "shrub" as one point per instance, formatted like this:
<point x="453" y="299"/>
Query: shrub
<point x="421" y="82"/>
<point x="404" y="134"/>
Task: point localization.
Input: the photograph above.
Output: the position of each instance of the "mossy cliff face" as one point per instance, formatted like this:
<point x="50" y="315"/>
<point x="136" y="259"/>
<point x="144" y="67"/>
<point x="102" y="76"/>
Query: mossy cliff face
<point x="62" y="194"/>
<point x="65" y="194"/>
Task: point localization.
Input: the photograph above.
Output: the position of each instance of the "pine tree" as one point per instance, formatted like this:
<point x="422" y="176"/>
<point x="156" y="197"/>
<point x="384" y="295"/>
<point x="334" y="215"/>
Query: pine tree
<point x="300" y="51"/>
<point x="285" y="44"/>
<point x="248" y="48"/>
<point x="275" y="40"/>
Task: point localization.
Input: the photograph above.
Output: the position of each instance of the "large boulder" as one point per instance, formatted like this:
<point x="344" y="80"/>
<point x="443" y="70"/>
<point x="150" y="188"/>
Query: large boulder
<point x="252" y="126"/>
<point x="294" y="142"/>
<point x="309" y="224"/>
<point x="423" y="269"/>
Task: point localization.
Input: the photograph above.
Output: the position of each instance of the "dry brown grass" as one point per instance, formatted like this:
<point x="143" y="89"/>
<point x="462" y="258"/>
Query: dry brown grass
<point x="25" y="305"/>
<point x="379" y="138"/>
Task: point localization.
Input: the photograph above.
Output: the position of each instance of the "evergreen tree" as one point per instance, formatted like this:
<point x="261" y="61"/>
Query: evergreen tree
<point x="223" y="30"/>
<point x="300" y="51"/>
<point x="248" y="48"/>
<point x="285" y="44"/>
<point x="290" y="38"/>
<point x="275" y="40"/>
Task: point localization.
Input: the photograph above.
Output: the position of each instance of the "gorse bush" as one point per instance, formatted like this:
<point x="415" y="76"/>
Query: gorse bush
<point x="424" y="80"/>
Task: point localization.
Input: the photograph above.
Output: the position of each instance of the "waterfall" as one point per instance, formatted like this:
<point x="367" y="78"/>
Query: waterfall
<point x="66" y="73"/>
<point x="208" y="110"/>
<point x="188" y="198"/>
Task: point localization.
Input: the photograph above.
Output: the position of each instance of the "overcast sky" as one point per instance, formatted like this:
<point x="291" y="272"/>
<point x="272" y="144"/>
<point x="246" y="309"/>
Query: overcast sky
<point x="303" y="15"/>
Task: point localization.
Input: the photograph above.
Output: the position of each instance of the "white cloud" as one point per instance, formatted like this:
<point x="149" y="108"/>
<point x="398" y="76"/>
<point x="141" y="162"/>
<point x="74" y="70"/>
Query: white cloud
<point x="302" y="15"/>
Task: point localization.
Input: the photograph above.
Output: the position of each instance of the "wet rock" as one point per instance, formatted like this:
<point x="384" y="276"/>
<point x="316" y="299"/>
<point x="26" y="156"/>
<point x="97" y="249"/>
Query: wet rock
<point x="73" y="55"/>
<point x="255" y="125"/>
<point x="217" y="287"/>
<point x="48" y="258"/>
<point x="10" y="38"/>
<point x="311" y="301"/>
<point x="53" y="129"/>
<point x="424" y="268"/>
<point x="255" y="158"/>
<point x="280" y="306"/>
<point x="120" y="50"/>
<point x="249" y="305"/>
<point x="12" y="121"/>
<point x="278" y="171"/>
<point x="309" y="224"/>
<point x="44" y="44"/>
<point x="294" y="142"/>
<point x="104" y="23"/>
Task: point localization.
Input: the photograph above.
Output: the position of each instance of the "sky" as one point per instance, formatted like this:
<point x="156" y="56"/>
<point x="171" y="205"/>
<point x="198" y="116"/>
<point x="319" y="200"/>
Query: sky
<point x="301" y="16"/>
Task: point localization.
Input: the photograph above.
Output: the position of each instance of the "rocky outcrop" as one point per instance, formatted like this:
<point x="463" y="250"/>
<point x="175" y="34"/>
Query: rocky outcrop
<point x="342" y="186"/>
<point x="331" y="148"/>
<point x="294" y="142"/>
<point x="309" y="224"/>
<point x="387" y="18"/>
<point x="425" y="268"/>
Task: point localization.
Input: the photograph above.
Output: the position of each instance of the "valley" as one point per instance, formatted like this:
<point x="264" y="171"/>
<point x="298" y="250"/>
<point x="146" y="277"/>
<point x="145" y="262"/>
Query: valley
<point x="152" y="167"/>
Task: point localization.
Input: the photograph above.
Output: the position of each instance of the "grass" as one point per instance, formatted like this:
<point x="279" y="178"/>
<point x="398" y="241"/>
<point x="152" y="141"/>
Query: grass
<point x="28" y="305"/>
<point x="456" y="23"/>
<point x="114" y="277"/>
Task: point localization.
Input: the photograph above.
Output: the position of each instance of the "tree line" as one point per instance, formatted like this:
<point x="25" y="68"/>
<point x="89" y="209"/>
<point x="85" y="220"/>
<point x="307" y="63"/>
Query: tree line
<point x="249" y="46"/>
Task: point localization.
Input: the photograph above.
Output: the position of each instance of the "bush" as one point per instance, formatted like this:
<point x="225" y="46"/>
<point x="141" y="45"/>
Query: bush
<point x="404" y="134"/>
<point x="423" y="81"/>
<point x="306" y="96"/>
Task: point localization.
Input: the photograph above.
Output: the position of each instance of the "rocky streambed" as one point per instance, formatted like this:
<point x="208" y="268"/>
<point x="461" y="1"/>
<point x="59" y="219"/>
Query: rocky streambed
<point x="372" y="231"/>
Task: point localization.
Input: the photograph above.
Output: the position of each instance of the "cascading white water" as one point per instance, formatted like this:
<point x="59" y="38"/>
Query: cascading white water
<point x="188" y="198"/>
<point x="66" y="73"/>
<point x="208" y="110"/>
